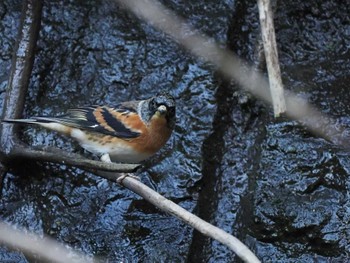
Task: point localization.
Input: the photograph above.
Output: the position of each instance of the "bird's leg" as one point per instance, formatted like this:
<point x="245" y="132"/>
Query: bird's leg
<point x="106" y="158"/>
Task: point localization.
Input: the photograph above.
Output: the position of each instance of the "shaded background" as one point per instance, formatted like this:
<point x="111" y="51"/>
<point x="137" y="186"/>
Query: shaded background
<point x="278" y="188"/>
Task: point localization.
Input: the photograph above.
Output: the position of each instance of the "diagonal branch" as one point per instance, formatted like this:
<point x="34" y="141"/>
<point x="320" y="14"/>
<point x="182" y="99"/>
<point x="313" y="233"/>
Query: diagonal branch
<point x="233" y="67"/>
<point x="197" y="223"/>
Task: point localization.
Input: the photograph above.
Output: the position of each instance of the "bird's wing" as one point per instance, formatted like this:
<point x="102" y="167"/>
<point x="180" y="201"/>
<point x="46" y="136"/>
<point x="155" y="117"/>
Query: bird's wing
<point x="100" y="119"/>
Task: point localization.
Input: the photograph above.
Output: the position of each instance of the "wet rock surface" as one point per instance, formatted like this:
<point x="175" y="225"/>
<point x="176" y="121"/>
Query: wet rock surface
<point x="277" y="187"/>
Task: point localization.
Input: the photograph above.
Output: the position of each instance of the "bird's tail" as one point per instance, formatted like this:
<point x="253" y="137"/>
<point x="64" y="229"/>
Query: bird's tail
<point x="37" y="120"/>
<point x="46" y="122"/>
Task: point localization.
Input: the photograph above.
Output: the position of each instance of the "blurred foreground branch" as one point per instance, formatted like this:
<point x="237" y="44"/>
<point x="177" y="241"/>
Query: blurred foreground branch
<point x="47" y="248"/>
<point x="271" y="56"/>
<point x="232" y="67"/>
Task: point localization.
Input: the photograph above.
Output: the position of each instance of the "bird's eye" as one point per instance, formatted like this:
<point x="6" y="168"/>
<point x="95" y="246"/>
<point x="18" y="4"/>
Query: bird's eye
<point x="171" y="111"/>
<point x="153" y="104"/>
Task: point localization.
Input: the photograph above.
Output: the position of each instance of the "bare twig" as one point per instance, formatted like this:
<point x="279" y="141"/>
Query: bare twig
<point x="21" y="69"/>
<point x="271" y="56"/>
<point x="62" y="157"/>
<point x="199" y="224"/>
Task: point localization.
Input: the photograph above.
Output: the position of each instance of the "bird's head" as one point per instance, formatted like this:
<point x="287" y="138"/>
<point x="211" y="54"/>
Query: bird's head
<point x="161" y="106"/>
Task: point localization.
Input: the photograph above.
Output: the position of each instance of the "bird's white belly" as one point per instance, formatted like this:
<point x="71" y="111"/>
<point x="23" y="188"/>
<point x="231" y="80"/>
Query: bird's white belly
<point x="118" y="152"/>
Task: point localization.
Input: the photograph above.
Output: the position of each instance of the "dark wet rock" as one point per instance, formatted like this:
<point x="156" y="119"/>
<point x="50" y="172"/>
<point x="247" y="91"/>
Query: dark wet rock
<point x="279" y="188"/>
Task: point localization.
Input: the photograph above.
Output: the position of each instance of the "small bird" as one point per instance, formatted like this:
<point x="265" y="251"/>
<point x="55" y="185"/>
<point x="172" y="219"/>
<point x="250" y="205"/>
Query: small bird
<point x="129" y="132"/>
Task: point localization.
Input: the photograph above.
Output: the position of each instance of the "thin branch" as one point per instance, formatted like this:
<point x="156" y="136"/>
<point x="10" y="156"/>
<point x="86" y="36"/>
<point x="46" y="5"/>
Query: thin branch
<point x="271" y="55"/>
<point x="61" y="157"/>
<point x="199" y="224"/>
<point x="21" y="69"/>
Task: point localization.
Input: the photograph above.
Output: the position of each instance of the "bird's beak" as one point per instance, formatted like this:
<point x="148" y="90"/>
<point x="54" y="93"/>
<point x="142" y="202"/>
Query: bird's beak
<point x="161" y="110"/>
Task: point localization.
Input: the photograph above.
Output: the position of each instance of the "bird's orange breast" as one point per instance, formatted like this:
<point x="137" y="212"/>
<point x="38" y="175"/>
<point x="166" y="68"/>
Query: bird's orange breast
<point x="153" y="137"/>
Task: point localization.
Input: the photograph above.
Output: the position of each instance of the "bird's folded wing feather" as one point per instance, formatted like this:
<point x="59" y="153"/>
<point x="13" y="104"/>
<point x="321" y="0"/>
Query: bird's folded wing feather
<point x="100" y="119"/>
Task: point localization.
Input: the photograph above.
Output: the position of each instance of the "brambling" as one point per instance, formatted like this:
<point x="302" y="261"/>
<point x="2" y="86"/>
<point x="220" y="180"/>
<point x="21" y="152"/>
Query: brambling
<point x="129" y="132"/>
